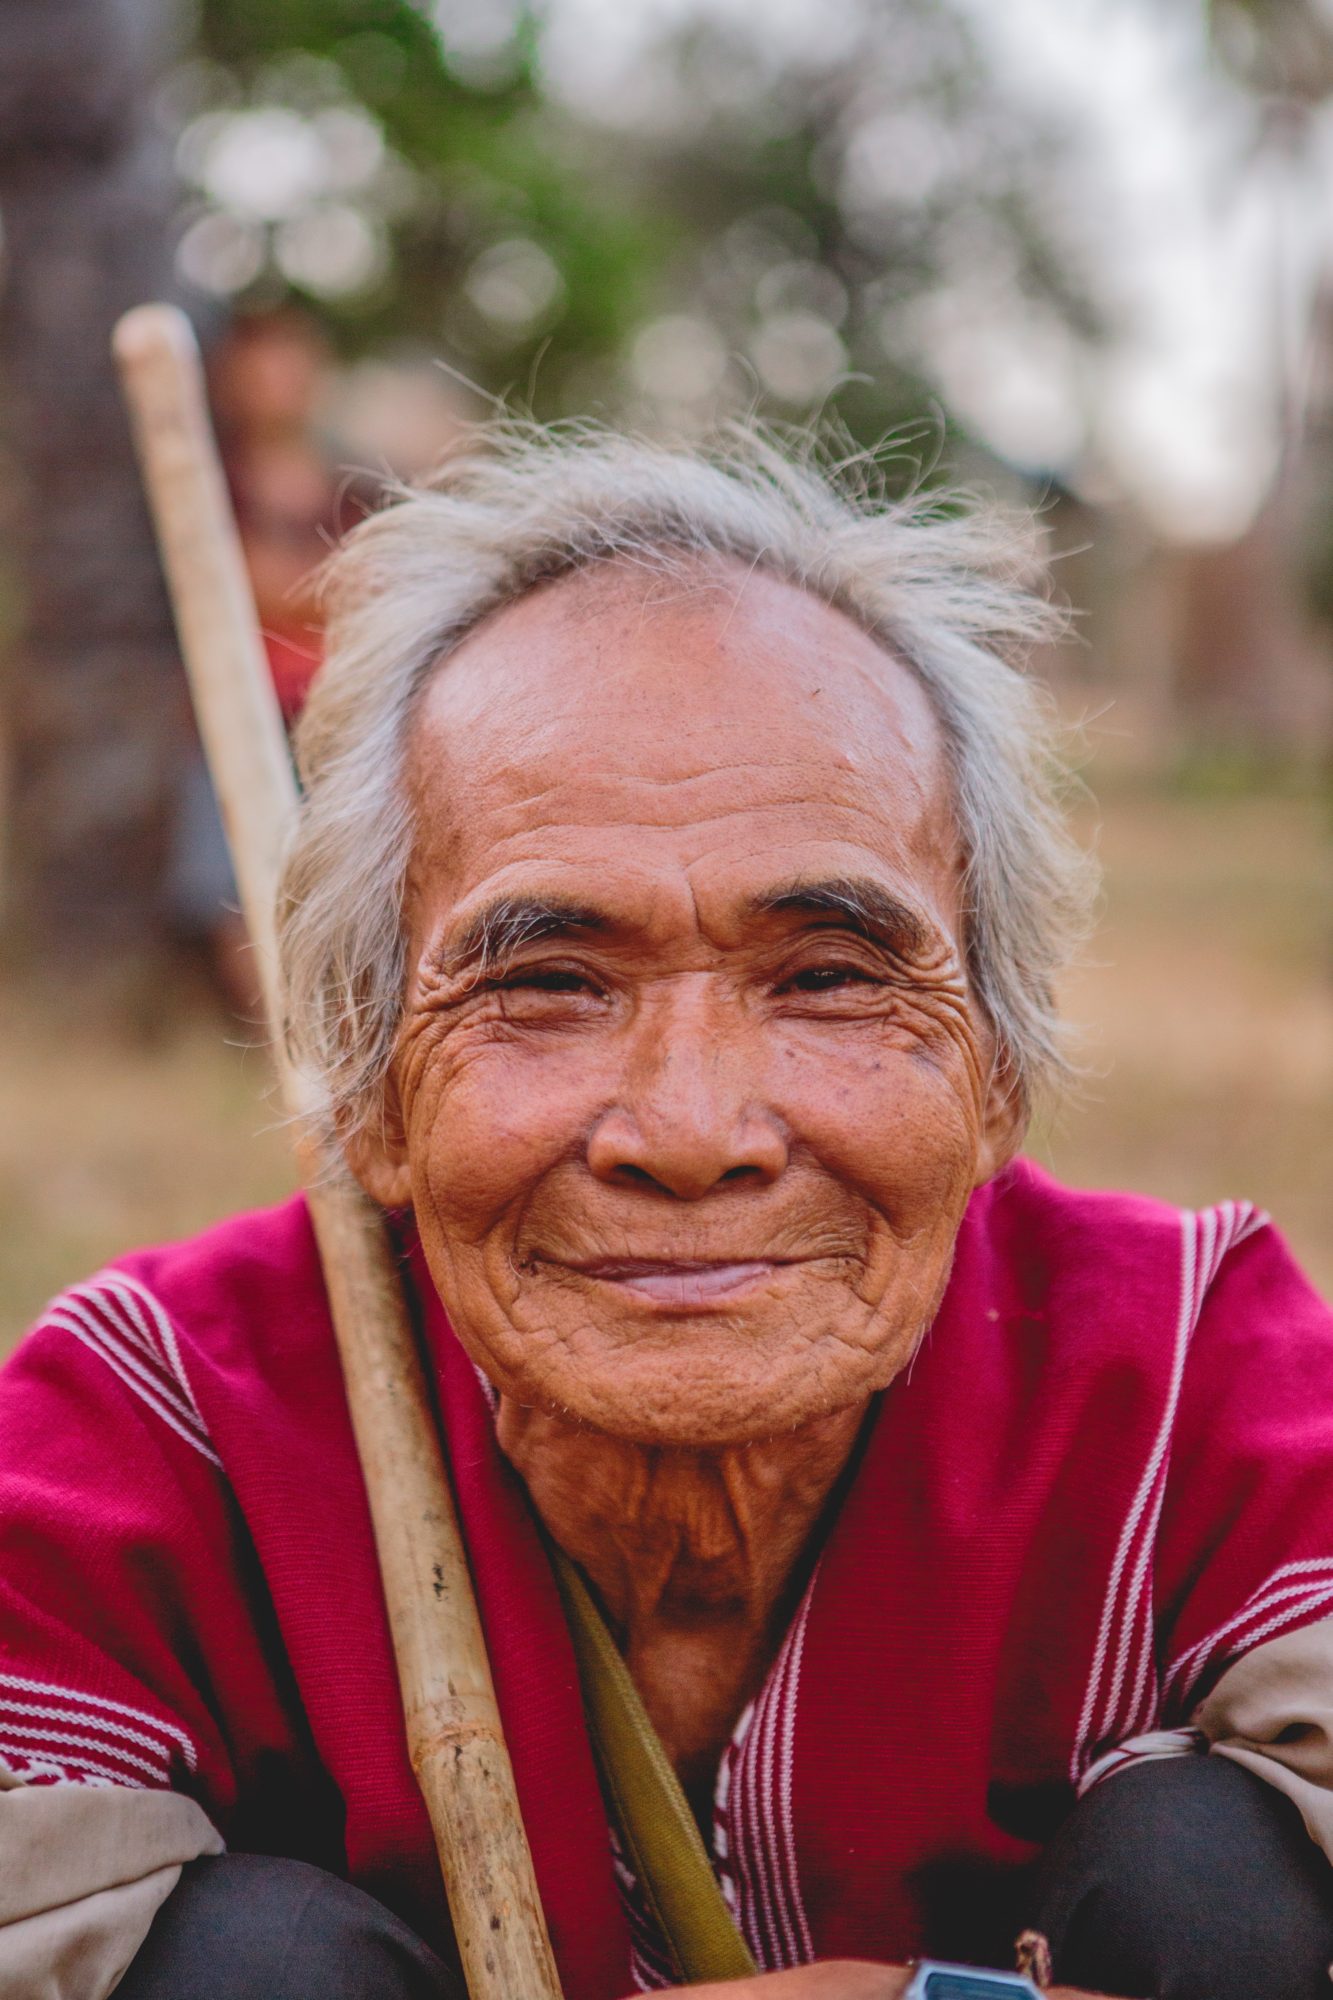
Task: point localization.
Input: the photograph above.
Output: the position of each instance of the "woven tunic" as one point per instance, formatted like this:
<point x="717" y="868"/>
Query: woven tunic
<point x="1106" y="1476"/>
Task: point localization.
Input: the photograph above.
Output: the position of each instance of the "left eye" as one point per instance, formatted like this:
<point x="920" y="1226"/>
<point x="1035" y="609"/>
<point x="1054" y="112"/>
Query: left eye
<point x="827" y="978"/>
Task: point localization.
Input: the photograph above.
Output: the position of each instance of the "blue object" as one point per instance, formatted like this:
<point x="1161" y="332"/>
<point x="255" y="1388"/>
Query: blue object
<point x="934" y="1981"/>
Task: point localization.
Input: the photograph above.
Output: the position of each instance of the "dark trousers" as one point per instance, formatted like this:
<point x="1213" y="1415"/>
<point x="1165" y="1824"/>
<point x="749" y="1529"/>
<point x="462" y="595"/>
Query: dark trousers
<point x="1181" y="1880"/>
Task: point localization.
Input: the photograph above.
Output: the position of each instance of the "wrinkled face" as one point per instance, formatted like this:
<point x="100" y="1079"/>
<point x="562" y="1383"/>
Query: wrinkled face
<point x="690" y="1090"/>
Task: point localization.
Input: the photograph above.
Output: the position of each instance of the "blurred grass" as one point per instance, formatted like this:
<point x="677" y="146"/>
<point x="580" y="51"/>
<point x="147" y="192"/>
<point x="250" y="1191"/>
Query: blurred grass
<point x="1208" y="1011"/>
<point x="110" y="1140"/>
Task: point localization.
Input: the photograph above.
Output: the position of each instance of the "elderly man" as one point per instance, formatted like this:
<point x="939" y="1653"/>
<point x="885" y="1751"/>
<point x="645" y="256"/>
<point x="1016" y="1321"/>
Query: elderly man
<point x="673" y="919"/>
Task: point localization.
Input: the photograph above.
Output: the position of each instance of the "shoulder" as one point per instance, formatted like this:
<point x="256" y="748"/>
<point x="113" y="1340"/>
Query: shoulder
<point x="1099" y="1280"/>
<point x="246" y="1266"/>
<point x="1128" y="1250"/>
<point x="1029" y="1217"/>
<point x="1211" y="1301"/>
<point x="235" y="1312"/>
<point x="235" y="1279"/>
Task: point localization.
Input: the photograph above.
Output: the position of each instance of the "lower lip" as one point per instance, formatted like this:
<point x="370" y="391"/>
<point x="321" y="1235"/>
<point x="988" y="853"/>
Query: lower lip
<point x="686" y="1288"/>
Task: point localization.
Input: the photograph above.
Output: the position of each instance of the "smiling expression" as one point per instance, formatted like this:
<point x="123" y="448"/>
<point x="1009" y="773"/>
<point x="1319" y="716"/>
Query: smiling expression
<point x="690" y="1089"/>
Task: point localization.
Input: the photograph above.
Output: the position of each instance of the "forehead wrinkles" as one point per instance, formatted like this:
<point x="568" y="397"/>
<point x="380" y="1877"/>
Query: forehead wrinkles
<point x="670" y="884"/>
<point x="585" y="705"/>
<point x="851" y="805"/>
<point x="612" y="830"/>
<point x="734" y="650"/>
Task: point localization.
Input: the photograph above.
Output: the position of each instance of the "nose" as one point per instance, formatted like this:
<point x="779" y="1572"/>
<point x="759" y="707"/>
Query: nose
<point x="686" y="1120"/>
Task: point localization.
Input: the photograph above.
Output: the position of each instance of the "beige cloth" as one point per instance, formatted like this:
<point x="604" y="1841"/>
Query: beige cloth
<point x="1273" y="1713"/>
<point x="84" y="1871"/>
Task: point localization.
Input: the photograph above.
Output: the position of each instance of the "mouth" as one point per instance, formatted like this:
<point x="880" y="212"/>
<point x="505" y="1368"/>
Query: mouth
<point x="680" y="1283"/>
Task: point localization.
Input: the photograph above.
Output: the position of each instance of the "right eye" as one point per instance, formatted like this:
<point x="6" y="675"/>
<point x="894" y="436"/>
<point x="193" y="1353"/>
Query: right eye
<point x="545" y="979"/>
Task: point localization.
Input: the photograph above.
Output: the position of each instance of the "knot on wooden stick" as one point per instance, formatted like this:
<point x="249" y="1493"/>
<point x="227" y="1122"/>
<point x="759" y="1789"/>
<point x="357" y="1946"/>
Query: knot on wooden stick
<point x="1032" y="1955"/>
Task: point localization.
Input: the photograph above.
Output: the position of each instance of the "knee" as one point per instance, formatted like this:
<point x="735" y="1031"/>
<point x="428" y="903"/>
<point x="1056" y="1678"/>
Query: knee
<point x="255" y="1927"/>
<point x="1189" y="1879"/>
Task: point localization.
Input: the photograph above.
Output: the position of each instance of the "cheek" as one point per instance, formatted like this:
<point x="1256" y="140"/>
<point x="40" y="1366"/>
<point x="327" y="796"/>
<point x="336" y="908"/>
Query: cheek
<point x="897" y="1125"/>
<point x="486" y="1124"/>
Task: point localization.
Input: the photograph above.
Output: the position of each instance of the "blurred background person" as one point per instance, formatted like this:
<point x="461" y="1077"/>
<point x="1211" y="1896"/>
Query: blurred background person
<point x="267" y="374"/>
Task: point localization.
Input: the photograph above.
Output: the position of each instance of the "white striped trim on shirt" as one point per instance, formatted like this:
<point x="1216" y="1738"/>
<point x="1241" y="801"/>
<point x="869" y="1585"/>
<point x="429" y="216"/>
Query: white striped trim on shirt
<point x="1149" y="1748"/>
<point x="119" y="1320"/>
<point x="754" y="1832"/>
<point x="1288" y="1597"/>
<point x="1122" y="1696"/>
<point x="52" y="1732"/>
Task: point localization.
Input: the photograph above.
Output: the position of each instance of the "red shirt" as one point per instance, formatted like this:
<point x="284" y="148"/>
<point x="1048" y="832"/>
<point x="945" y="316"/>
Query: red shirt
<point x="1105" y="1476"/>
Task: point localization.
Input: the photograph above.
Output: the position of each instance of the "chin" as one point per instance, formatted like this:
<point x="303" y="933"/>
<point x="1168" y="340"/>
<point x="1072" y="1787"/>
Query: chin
<point x="690" y="1404"/>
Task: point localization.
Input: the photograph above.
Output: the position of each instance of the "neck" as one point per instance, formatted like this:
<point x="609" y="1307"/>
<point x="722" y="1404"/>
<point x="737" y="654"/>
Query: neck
<point x="694" y="1554"/>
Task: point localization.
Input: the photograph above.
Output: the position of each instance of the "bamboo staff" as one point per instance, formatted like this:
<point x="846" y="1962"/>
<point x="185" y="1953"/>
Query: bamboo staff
<point x="453" y="1723"/>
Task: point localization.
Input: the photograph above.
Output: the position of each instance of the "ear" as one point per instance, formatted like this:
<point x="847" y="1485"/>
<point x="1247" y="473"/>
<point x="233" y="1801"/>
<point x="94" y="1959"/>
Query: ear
<point x="377" y="1151"/>
<point x="1004" y="1120"/>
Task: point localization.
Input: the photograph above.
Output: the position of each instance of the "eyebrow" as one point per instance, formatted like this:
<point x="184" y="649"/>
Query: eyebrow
<point x="859" y="903"/>
<point x="494" y="933"/>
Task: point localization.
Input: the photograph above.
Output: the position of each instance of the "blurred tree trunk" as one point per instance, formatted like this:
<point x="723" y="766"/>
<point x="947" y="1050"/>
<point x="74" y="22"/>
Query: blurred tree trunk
<point x="92" y="698"/>
<point x="1253" y="675"/>
<point x="1255" y="668"/>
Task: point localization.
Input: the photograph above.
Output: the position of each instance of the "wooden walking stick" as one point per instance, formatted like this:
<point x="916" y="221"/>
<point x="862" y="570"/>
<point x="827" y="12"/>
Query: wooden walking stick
<point x="453" y="1723"/>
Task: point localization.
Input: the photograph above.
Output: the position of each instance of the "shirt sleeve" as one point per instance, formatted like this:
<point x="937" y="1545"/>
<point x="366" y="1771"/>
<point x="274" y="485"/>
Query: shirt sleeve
<point x="1244" y="1549"/>
<point x="1272" y="1711"/>
<point x="138" y="1649"/>
<point x="83" y="1871"/>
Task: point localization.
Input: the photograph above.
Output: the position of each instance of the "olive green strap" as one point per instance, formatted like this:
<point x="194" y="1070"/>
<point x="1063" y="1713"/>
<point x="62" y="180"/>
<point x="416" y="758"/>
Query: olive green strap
<point x="656" y="1827"/>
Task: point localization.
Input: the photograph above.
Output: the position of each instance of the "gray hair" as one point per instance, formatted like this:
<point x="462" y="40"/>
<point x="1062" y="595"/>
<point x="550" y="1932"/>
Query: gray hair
<point x="946" y="587"/>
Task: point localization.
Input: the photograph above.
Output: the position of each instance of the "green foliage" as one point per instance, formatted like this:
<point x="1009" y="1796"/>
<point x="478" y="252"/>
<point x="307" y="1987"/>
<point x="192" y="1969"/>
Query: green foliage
<point x="1280" y="48"/>
<point x="754" y="208"/>
<point x="479" y="169"/>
